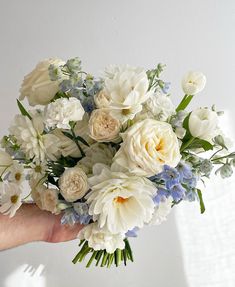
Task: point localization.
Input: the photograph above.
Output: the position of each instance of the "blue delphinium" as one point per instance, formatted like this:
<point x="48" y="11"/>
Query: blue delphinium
<point x="170" y="175"/>
<point x="79" y="213"/>
<point x="132" y="232"/>
<point x="161" y="195"/>
<point x="166" y="87"/>
<point x="177" y="191"/>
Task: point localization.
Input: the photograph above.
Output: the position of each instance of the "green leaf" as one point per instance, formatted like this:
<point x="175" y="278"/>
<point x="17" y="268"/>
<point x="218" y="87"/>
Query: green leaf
<point x="68" y="135"/>
<point x="82" y="140"/>
<point x="199" y="143"/>
<point x="202" y="206"/>
<point x="23" y="110"/>
<point x="184" y="103"/>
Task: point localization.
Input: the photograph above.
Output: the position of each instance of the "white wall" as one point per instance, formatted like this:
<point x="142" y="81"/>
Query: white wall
<point x="185" y="35"/>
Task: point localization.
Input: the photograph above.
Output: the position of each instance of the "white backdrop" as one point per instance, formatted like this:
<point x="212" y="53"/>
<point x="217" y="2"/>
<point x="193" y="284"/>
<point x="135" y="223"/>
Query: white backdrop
<point x="190" y="249"/>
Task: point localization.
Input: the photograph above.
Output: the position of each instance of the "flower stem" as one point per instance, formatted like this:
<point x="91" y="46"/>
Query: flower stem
<point x="186" y="144"/>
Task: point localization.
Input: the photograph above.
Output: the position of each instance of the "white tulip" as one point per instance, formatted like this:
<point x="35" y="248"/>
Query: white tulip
<point x="203" y="124"/>
<point x="193" y="82"/>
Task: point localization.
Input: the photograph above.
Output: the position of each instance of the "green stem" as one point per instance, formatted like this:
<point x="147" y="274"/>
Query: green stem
<point x="184" y="103"/>
<point x="186" y="144"/>
<point x="91" y="259"/>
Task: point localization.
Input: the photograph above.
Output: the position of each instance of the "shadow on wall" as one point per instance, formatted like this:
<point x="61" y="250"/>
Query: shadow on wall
<point x="158" y="262"/>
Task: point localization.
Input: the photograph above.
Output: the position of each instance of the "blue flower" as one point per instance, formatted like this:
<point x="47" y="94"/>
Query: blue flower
<point x="170" y="175"/>
<point x="166" y="87"/>
<point x="191" y="195"/>
<point x="132" y="233"/>
<point x="79" y="213"/>
<point x="177" y="192"/>
<point x="184" y="171"/>
<point x="161" y="195"/>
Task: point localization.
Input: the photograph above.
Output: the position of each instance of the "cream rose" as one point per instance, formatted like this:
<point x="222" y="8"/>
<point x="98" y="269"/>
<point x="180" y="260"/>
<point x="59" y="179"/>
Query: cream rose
<point x="37" y="85"/>
<point x="73" y="184"/>
<point x="102" y="99"/>
<point x="146" y="147"/>
<point x="103" y="126"/>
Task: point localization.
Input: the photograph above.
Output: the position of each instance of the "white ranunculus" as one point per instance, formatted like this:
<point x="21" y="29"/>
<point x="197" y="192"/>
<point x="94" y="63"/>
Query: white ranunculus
<point x="146" y="147"/>
<point x="193" y="82"/>
<point x="62" y="111"/>
<point x="102" y="99"/>
<point x="97" y="153"/>
<point x="203" y="123"/>
<point x="127" y="88"/>
<point x="5" y="162"/>
<point x="100" y="239"/>
<point x="161" y="211"/>
<point x="103" y="126"/>
<point x="33" y="142"/>
<point x="159" y="107"/>
<point x="37" y="86"/>
<point x="73" y="184"/>
<point x="118" y="201"/>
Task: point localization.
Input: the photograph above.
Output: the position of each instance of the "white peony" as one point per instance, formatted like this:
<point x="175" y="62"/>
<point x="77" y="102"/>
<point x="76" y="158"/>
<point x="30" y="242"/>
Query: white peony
<point x="97" y="153"/>
<point x="102" y="99"/>
<point x="10" y="198"/>
<point x="203" y="124"/>
<point x="193" y="82"/>
<point x="73" y="184"/>
<point x="33" y="142"/>
<point x="37" y="86"/>
<point x="100" y="239"/>
<point x="161" y="211"/>
<point x="127" y="88"/>
<point x="62" y="111"/>
<point x="118" y="201"/>
<point x="103" y="126"/>
<point x="146" y="147"/>
<point x="5" y="162"/>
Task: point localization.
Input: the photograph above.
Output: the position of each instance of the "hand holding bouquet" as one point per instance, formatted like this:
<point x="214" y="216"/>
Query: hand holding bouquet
<point x="113" y="154"/>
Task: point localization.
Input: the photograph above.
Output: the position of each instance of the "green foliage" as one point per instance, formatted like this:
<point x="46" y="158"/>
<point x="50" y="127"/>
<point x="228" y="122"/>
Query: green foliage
<point x="184" y="103"/>
<point x="202" y="205"/>
<point x="23" y="110"/>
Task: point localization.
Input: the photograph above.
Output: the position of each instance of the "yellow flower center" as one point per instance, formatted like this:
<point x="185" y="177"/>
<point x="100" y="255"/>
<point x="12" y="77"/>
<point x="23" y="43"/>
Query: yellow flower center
<point x="126" y="111"/>
<point x="14" y="198"/>
<point x="18" y="176"/>
<point x="38" y="168"/>
<point x="121" y="200"/>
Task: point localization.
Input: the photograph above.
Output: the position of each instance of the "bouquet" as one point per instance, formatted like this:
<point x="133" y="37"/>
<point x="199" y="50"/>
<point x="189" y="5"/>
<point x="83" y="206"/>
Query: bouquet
<point x="111" y="153"/>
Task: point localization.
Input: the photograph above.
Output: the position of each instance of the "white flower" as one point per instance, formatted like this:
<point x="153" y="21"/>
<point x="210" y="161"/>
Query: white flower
<point x="5" y="162"/>
<point x="10" y="200"/>
<point x="159" y="107"/>
<point x="97" y="153"/>
<point x="45" y="198"/>
<point x="119" y="202"/>
<point x="102" y="99"/>
<point x="62" y="111"/>
<point x="73" y="184"/>
<point x="103" y="126"/>
<point x="30" y="137"/>
<point x="161" y="211"/>
<point x="37" y="170"/>
<point x="203" y="123"/>
<point x="100" y="239"/>
<point x="127" y="88"/>
<point x="16" y="172"/>
<point x="193" y="83"/>
<point x="37" y="86"/>
<point x="68" y="147"/>
<point x="146" y="147"/>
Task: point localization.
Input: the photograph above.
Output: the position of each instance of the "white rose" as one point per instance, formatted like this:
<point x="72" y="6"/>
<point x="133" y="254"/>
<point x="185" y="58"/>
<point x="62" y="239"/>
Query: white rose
<point x="103" y="126"/>
<point x="102" y="99"/>
<point x="203" y="124"/>
<point x="100" y="239"/>
<point x="62" y="111"/>
<point x="118" y="201"/>
<point x="45" y="198"/>
<point x="37" y="86"/>
<point x="5" y="162"/>
<point x="97" y="153"/>
<point x="161" y="211"/>
<point x="193" y="82"/>
<point x="127" y="88"/>
<point x="73" y="184"/>
<point x="146" y="147"/>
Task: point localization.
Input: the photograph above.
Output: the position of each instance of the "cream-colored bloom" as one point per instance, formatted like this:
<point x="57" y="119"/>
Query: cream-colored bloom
<point x="203" y="123"/>
<point x="68" y="147"/>
<point x="100" y="239"/>
<point x="97" y="153"/>
<point x="103" y="126"/>
<point x="10" y="199"/>
<point x="62" y="111"/>
<point x="102" y="99"/>
<point x="161" y="211"/>
<point x="30" y="137"/>
<point x="193" y="83"/>
<point x="45" y="198"/>
<point x="146" y="147"/>
<point x="37" y="170"/>
<point x="127" y="88"/>
<point x="73" y="184"/>
<point x="5" y="162"/>
<point x="16" y="173"/>
<point x="37" y="86"/>
<point x="118" y="201"/>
